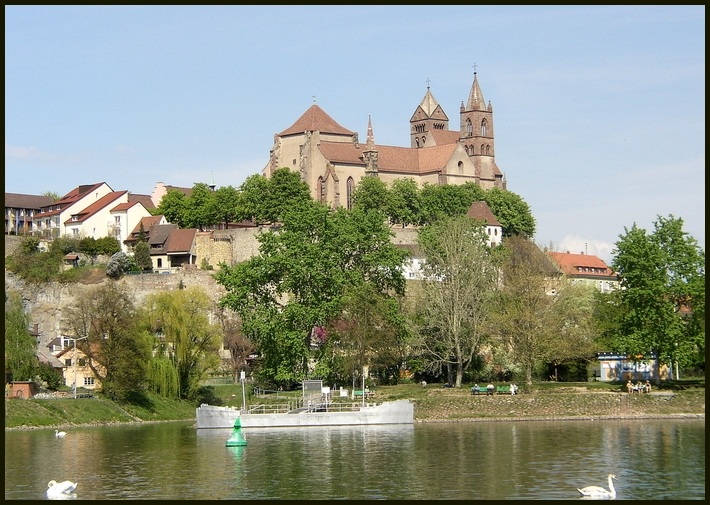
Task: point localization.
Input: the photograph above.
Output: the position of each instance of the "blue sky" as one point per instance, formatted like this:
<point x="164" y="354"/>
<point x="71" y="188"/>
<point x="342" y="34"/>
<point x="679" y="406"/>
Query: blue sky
<point x="599" y="112"/>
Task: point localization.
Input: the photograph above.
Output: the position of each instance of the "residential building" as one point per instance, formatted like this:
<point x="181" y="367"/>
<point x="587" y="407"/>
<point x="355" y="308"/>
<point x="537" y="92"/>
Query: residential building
<point x="170" y="247"/>
<point x="20" y="212"/>
<point x="51" y="218"/>
<point x="332" y="161"/>
<point x="585" y="268"/>
<point x="92" y="210"/>
<point x="480" y="211"/>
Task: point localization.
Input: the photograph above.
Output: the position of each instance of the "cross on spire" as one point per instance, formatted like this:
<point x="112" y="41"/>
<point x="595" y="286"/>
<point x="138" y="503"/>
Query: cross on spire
<point x="427" y="83"/>
<point x="474" y="68"/>
<point x="314" y="98"/>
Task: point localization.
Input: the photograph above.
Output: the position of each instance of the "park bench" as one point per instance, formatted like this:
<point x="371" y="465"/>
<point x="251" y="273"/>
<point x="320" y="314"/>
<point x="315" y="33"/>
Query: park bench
<point x="368" y="394"/>
<point x="502" y="390"/>
<point x="481" y="391"/>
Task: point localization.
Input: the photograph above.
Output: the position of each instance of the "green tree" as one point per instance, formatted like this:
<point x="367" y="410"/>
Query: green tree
<point x="403" y="204"/>
<point x="512" y="212"/>
<point x="458" y="293"/>
<point x="173" y="206"/>
<point x="251" y="197"/>
<point x="444" y="201"/>
<point x="199" y="208"/>
<point x="371" y="194"/>
<point x="103" y="320"/>
<point x="108" y="245"/>
<point x="296" y="283"/>
<point x="90" y="247"/>
<point x="286" y="190"/>
<point x="662" y="295"/>
<point x="191" y="343"/>
<point x="52" y="194"/>
<point x="20" y="347"/>
<point x="141" y="256"/>
<point x="537" y="320"/>
<point x="225" y="206"/>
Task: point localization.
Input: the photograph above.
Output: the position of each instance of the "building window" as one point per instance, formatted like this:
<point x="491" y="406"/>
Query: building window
<point x="88" y="381"/>
<point x="469" y="127"/>
<point x="484" y="128"/>
<point x="160" y="262"/>
<point x="460" y="167"/>
<point x="351" y="192"/>
<point x="417" y="142"/>
<point x="82" y="361"/>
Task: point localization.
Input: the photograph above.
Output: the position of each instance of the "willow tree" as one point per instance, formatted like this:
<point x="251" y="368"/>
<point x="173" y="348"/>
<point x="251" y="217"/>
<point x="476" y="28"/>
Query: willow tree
<point x="186" y="338"/>
<point x="460" y="282"/>
<point x="20" y="346"/>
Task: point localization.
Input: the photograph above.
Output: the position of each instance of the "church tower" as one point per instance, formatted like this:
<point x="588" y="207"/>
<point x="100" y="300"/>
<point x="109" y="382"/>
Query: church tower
<point x="370" y="154"/>
<point x="429" y="116"/>
<point x="477" y="131"/>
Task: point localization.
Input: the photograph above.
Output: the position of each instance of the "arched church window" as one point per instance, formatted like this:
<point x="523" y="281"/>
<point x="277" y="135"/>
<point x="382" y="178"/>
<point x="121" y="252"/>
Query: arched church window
<point x="417" y="142"/>
<point x="351" y="192"/>
<point x="484" y="127"/>
<point x="321" y="190"/>
<point x="488" y="150"/>
<point x="469" y="127"/>
<point x="483" y="149"/>
<point x="460" y="167"/>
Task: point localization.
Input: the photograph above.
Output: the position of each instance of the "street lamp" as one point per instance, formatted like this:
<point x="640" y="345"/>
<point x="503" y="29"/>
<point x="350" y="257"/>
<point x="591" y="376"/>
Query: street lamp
<point x="75" y="363"/>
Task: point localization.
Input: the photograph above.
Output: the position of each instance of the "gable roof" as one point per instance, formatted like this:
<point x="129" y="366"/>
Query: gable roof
<point x="482" y="212"/>
<point x="22" y="201"/>
<point x="95" y="207"/>
<point x="146" y="200"/>
<point x="180" y="241"/>
<point x="70" y="198"/>
<point x="581" y="264"/>
<point x="316" y="119"/>
<point x="393" y="159"/>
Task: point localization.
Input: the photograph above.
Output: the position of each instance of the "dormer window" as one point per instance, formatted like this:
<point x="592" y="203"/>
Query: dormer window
<point x="75" y="217"/>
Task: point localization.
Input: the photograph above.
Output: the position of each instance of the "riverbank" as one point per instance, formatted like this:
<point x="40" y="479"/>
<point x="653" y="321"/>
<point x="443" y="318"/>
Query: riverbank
<point x="544" y="402"/>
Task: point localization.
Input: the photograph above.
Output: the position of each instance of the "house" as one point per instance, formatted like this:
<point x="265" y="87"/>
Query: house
<point x="51" y="218"/>
<point x="112" y="215"/>
<point x="614" y="367"/>
<point x="76" y="369"/>
<point x="92" y="210"/>
<point x="21" y="389"/>
<point x="20" y="212"/>
<point x="170" y="246"/>
<point x="480" y="211"/>
<point x="585" y="268"/>
<point x="332" y="161"/>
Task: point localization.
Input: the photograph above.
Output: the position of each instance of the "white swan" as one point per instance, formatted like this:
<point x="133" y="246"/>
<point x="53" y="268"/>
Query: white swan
<point x="63" y="489"/>
<point x="600" y="492"/>
<point x="58" y="433"/>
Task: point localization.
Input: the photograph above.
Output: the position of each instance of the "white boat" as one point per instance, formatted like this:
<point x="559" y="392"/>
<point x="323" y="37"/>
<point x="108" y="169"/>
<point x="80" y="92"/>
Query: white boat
<point x="331" y="414"/>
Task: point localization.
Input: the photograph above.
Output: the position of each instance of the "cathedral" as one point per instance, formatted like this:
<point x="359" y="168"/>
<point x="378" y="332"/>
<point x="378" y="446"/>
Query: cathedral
<point x="332" y="161"/>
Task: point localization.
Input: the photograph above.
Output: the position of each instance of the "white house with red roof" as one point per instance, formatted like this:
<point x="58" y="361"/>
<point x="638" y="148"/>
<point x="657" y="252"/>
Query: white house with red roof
<point x="586" y="268"/>
<point x="93" y="210"/>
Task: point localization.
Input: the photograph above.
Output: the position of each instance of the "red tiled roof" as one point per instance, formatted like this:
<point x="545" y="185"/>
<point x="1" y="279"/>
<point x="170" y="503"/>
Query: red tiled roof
<point x="391" y="158"/>
<point x="570" y="264"/>
<point x="180" y="241"/>
<point x="482" y="212"/>
<point x="316" y="119"/>
<point x="442" y="137"/>
<point x="99" y="204"/>
<point x="146" y="200"/>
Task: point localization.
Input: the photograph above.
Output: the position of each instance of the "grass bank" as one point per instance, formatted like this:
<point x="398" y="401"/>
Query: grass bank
<point x="432" y="403"/>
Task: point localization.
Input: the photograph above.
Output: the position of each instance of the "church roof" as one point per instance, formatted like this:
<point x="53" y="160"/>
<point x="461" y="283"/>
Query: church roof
<point x="475" y="98"/>
<point x="391" y="158"/>
<point x="316" y="119"/>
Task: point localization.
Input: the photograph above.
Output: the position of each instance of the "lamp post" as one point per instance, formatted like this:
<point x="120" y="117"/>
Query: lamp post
<point x="74" y="362"/>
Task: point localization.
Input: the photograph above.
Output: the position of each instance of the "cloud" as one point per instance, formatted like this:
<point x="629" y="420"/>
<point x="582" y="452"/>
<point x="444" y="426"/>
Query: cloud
<point x="21" y="153"/>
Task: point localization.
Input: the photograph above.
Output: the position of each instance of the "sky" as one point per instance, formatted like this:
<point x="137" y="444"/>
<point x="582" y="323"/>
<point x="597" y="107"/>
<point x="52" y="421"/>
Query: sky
<point x="598" y="111"/>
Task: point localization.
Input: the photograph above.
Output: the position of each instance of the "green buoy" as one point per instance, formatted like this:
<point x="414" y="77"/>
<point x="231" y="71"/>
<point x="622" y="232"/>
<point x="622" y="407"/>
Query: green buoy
<point x="237" y="439"/>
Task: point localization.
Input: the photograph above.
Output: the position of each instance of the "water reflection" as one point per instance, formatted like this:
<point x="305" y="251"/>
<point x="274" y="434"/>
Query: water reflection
<point x="491" y="460"/>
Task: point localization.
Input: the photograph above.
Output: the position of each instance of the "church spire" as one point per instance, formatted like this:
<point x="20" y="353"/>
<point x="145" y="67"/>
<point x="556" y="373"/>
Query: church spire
<point x="475" y="97"/>
<point x="369" y="154"/>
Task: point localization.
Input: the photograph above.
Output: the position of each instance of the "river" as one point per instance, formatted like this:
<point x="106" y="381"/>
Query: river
<point x="653" y="459"/>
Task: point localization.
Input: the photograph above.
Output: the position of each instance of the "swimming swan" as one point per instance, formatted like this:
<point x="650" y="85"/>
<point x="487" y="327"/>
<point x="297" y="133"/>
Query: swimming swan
<point x="58" y="433"/>
<point x="600" y="492"/>
<point x="60" y="489"/>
